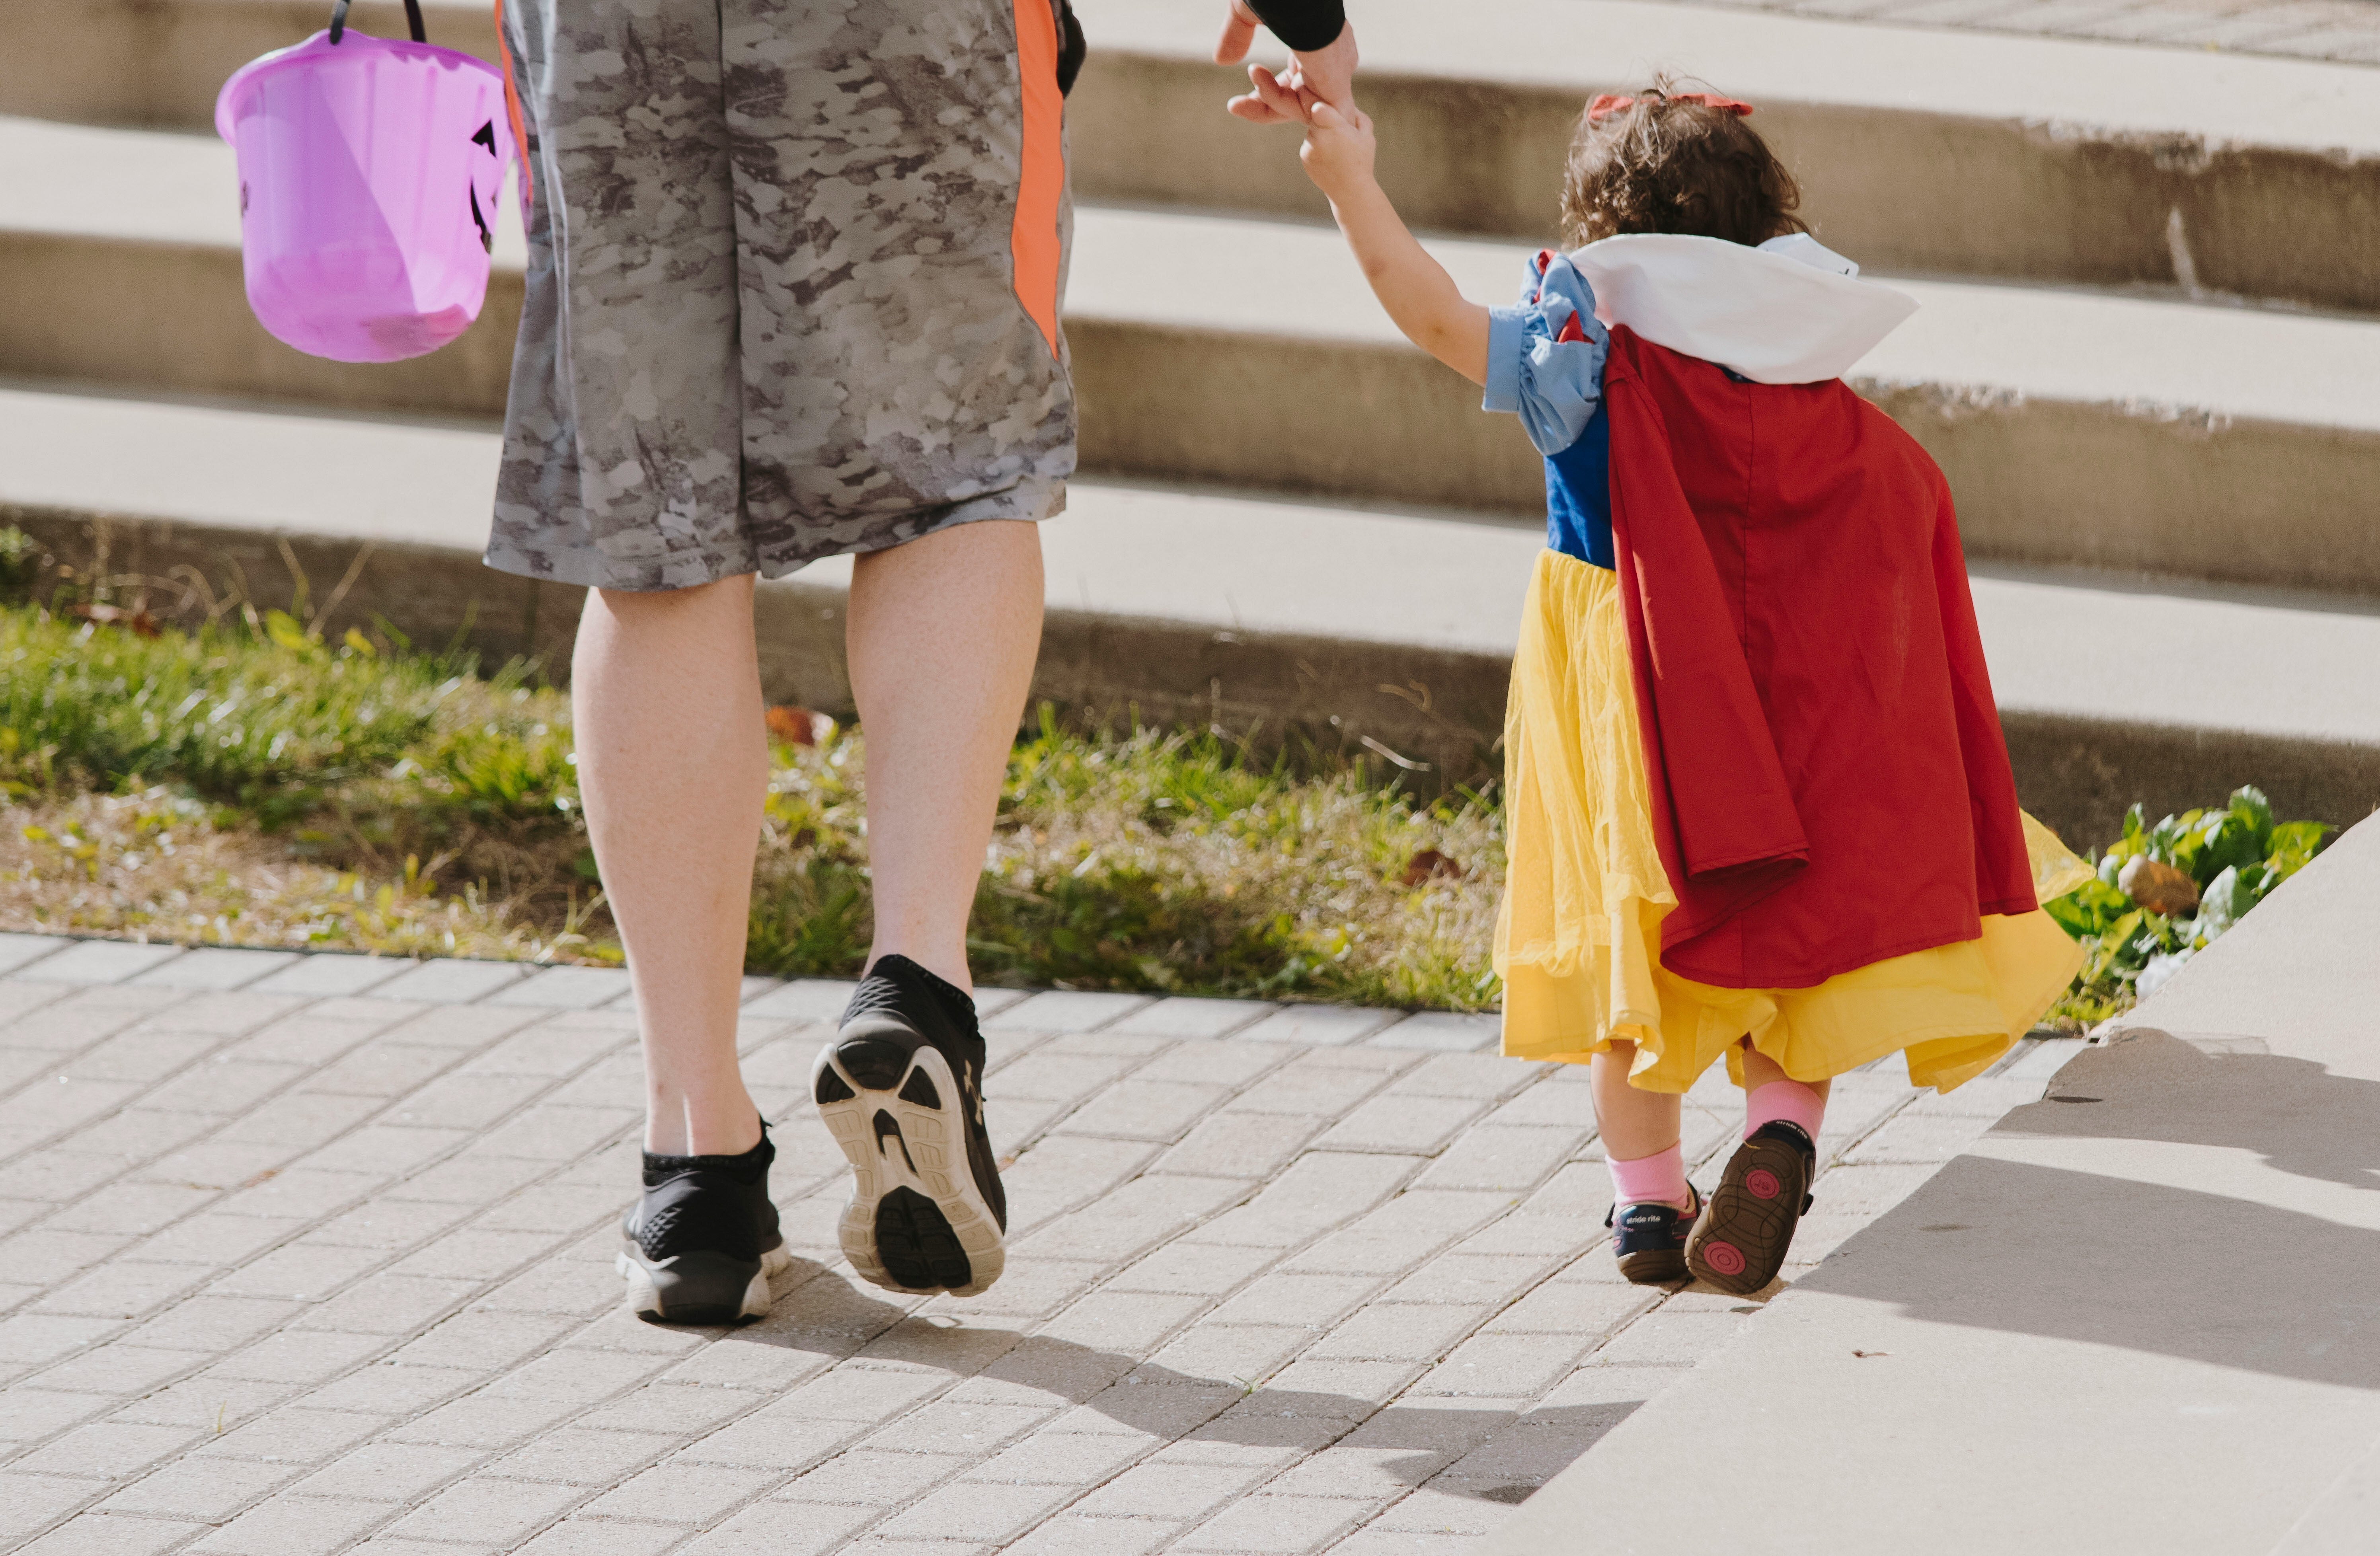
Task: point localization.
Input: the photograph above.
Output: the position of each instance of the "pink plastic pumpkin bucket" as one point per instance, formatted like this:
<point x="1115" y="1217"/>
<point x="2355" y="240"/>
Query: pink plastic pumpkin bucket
<point x="369" y="176"/>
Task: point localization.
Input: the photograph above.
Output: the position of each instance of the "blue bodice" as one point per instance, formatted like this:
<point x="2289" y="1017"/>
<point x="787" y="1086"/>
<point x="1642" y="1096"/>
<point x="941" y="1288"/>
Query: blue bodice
<point x="1578" y="496"/>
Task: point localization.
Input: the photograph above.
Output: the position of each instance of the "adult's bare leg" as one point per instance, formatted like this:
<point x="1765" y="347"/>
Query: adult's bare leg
<point x="674" y="768"/>
<point x="941" y="637"/>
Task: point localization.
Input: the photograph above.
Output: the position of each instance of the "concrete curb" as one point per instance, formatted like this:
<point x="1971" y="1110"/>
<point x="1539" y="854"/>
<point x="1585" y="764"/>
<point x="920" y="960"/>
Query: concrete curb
<point x="2168" y="1274"/>
<point x="1442" y="708"/>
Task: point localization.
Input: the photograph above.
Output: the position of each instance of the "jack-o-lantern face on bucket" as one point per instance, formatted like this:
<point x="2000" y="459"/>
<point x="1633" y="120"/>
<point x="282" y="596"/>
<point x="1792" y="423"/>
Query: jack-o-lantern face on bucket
<point x="357" y="242"/>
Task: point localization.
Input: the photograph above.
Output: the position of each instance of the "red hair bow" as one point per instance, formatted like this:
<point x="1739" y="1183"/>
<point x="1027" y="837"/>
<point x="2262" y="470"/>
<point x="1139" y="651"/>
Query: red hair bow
<point x="1606" y="104"/>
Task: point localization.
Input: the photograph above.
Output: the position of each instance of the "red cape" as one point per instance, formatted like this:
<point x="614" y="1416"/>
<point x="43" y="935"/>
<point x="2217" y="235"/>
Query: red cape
<point x="1829" y="785"/>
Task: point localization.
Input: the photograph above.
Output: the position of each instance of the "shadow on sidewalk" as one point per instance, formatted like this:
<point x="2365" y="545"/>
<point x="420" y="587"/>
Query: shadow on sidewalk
<point x="1494" y="1454"/>
<point x="2073" y="1255"/>
<point x="2149" y="1085"/>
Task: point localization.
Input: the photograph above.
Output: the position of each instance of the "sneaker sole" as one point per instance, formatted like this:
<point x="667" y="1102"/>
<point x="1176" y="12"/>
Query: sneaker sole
<point x="916" y="1222"/>
<point x="1739" y="1240"/>
<point x="700" y="1290"/>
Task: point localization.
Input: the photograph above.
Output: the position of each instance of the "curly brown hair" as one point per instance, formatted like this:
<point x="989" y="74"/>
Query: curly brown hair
<point x="1667" y="163"/>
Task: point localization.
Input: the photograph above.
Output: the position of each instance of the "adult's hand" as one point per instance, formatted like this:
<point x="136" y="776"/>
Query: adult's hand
<point x="1322" y="75"/>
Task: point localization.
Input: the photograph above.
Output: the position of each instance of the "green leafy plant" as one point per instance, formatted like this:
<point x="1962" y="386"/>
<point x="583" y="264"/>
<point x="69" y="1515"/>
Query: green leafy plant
<point x="20" y="557"/>
<point x="2234" y="857"/>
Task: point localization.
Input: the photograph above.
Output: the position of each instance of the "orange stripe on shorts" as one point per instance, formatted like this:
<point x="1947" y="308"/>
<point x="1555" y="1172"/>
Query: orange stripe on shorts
<point x="1033" y="240"/>
<point x="513" y="111"/>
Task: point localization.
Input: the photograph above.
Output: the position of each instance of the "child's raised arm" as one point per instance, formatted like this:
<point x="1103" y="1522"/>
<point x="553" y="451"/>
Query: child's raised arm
<point x="1414" y="288"/>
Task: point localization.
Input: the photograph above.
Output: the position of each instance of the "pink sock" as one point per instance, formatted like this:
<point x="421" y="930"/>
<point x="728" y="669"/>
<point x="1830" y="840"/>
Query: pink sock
<point x="1786" y="1100"/>
<point x="1651" y="1180"/>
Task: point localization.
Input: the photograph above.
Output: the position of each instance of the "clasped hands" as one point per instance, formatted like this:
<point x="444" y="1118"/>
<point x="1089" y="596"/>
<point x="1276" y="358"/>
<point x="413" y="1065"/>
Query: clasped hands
<point x="1316" y="91"/>
<point x="1323" y="75"/>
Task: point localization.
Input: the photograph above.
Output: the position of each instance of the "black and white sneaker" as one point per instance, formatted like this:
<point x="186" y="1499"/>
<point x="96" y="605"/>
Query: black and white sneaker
<point x="901" y="1086"/>
<point x="702" y="1240"/>
<point x="1649" y="1241"/>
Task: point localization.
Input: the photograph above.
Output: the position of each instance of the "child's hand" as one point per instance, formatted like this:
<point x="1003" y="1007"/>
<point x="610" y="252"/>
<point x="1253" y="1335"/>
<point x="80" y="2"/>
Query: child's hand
<point x="1338" y="151"/>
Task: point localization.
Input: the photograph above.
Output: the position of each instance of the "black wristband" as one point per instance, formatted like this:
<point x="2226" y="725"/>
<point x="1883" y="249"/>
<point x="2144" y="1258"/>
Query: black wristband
<point x="1303" y="25"/>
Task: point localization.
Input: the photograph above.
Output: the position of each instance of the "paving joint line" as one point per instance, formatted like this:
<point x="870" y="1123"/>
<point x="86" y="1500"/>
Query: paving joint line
<point x="397" y="1342"/>
<point x="856" y="1356"/>
<point x="1386" y="1079"/>
<point x="1350" y="1499"/>
<point x="1447" y="1348"/>
<point x="531" y="1017"/>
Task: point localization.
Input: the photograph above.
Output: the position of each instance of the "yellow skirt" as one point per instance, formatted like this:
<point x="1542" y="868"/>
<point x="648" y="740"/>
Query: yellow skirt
<point x="1578" y="940"/>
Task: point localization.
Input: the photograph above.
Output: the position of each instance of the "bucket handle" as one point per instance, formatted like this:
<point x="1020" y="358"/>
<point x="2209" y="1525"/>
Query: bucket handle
<point x="412" y="16"/>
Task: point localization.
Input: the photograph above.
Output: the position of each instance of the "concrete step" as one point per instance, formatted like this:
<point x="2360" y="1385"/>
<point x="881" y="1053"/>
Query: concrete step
<point x="2200" y="1364"/>
<point x="161" y="62"/>
<point x="1923" y="151"/>
<point x="1350" y="627"/>
<point x="2077" y="428"/>
<point x="1919" y="150"/>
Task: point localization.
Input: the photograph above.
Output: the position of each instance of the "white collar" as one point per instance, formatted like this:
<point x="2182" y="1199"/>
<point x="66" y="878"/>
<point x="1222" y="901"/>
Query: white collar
<point x="1789" y="311"/>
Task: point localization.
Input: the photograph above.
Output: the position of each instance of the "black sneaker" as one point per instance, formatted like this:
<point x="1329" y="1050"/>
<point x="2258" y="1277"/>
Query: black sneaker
<point x="901" y="1086"/>
<point x="1650" y="1240"/>
<point x="1738" y="1243"/>
<point x="702" y="1240"/>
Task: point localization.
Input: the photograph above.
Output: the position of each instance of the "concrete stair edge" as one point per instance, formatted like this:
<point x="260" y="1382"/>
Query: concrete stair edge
<point x="2218" y="442"/>
<point x="1928" y="151"/>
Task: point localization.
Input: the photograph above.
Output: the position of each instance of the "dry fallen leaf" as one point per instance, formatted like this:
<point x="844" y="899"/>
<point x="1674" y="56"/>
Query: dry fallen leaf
<point x="2158" y="887"/>
<point x="1430" y="865"/>
<point x="142" y="623"/>
<point x="799" y="727"/>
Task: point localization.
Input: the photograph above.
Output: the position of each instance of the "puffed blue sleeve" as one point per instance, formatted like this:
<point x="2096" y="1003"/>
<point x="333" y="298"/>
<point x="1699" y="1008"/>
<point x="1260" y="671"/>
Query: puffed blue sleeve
<point x="1554" y="384"/>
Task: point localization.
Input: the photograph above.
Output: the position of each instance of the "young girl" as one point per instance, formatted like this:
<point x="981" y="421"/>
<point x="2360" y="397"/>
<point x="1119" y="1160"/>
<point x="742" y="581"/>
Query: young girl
<point x="1756" y="796"/>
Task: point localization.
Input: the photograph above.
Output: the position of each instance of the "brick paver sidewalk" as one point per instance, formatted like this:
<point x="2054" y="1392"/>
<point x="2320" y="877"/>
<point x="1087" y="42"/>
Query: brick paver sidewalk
<point x="2347" y="30"/>
<point x="313" y="1254"/>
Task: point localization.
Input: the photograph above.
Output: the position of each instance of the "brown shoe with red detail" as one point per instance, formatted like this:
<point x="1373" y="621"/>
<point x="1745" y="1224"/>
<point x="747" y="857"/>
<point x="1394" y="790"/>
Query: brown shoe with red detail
<point x="1649" y="1241"/>
<point x="1740" y="1241"/>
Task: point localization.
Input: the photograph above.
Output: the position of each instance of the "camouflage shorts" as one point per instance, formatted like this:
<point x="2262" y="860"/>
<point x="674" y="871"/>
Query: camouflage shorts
<point x="793" y="282"/>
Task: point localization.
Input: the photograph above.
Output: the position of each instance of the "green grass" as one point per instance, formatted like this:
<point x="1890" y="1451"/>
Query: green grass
<point x="248" y="784"/>
<point x="216" y="710"/>
<point x="245" y="783"/>
<point x="1164" y="862"/>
